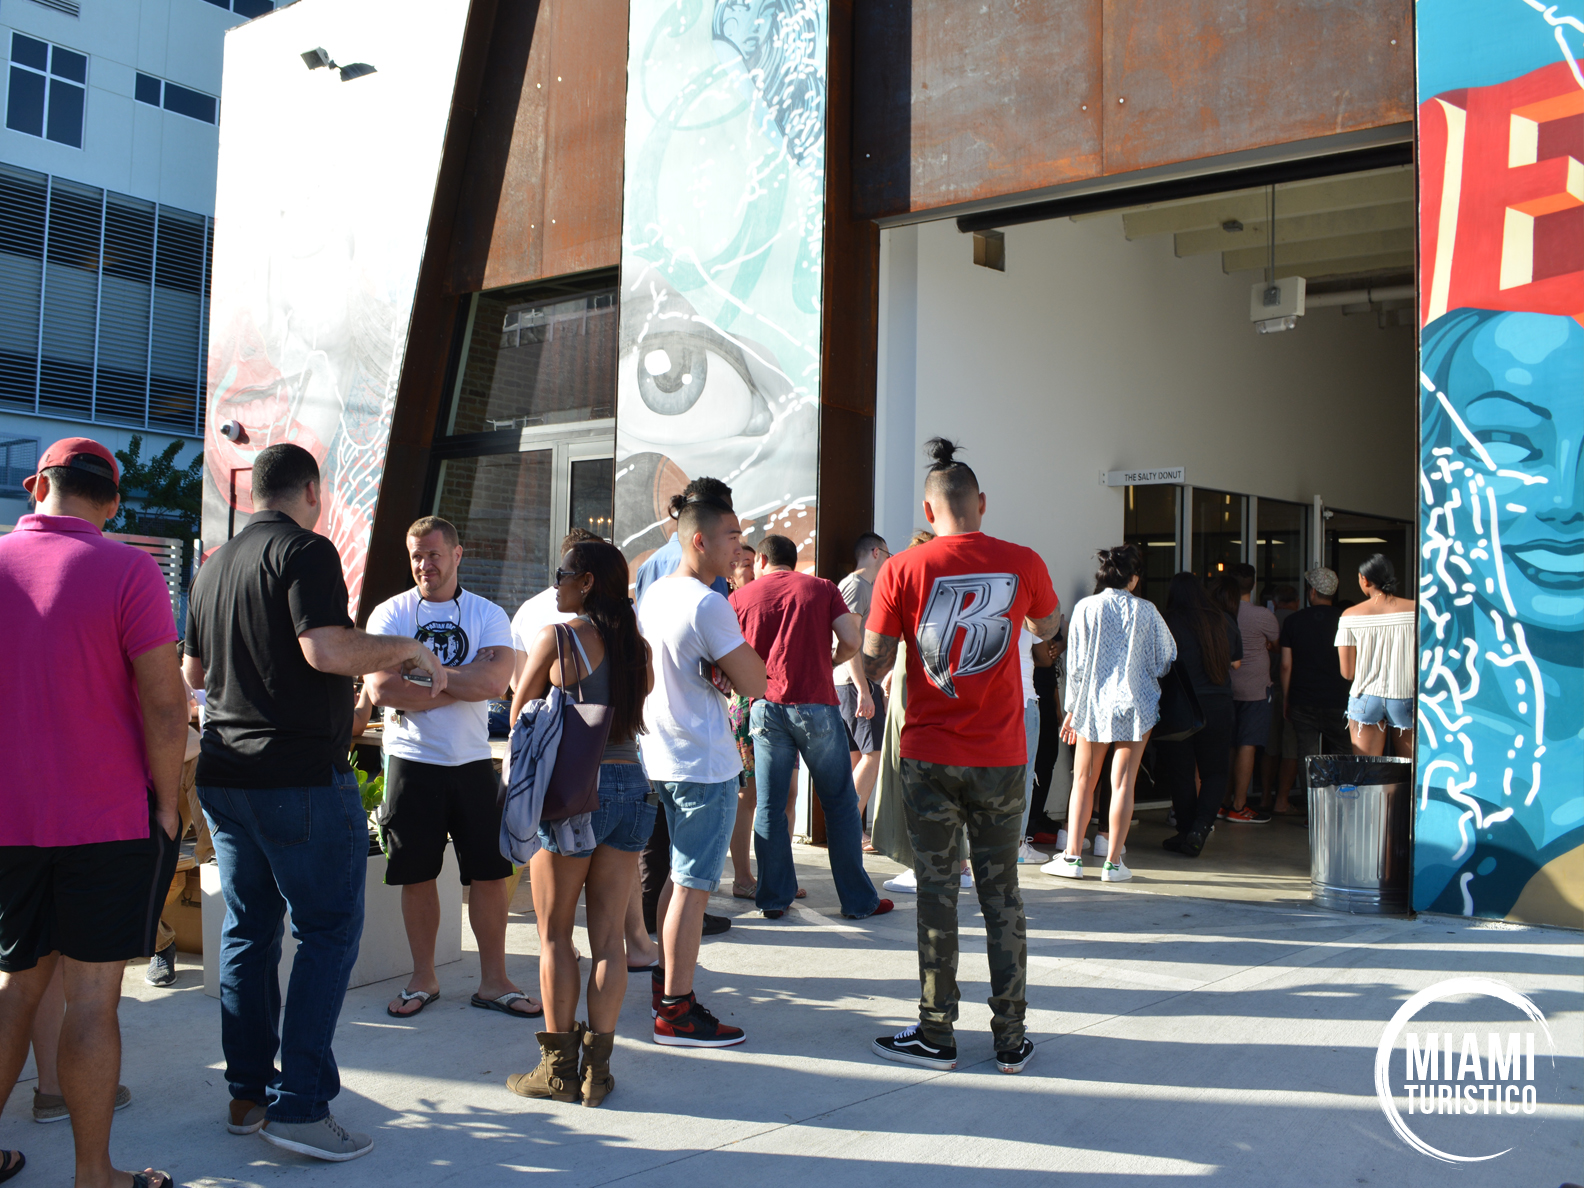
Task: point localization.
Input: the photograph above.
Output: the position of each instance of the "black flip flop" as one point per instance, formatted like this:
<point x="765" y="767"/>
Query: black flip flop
<point x="9" y="1167"/>
<point x="142" y="1180"/>
<point x="650" y="968"/>
<point x="422" y="997"/>
<point x="503" y="1005"/>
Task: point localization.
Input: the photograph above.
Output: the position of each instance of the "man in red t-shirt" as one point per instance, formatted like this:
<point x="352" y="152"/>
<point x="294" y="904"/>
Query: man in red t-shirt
<point x="959" y="601"/>
<point x="788" y="617"/>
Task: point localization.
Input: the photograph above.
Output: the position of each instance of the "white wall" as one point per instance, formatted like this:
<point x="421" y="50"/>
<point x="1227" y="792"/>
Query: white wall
<point x="130" y="147"/>
<point x="1091" y="353"/>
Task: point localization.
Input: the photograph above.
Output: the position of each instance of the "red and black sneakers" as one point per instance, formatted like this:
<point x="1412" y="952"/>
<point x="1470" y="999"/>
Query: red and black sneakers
<point x="687" y="1024"/>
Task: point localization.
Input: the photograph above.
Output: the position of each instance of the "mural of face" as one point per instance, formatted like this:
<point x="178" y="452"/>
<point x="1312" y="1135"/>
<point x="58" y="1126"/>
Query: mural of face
<point x="1502" y="597"/>
<point x="722" y="237"/>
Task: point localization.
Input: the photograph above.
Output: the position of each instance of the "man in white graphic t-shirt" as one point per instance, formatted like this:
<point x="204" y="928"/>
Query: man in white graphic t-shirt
<point x="439" y="781"/>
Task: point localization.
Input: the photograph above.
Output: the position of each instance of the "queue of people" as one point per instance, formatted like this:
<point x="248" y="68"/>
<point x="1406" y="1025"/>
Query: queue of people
<point x="916" y="680"/>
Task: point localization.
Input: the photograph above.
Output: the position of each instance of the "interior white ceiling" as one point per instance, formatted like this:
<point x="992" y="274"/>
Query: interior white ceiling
<point x="1358" y="224"/>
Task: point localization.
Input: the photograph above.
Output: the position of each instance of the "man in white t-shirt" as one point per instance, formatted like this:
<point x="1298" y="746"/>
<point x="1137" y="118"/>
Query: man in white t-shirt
<point x="689" y="753"/>
<point x="439" y="780"/>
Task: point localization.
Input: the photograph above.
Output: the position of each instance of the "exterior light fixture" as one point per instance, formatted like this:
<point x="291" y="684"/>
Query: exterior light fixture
<point x="316" y="58"/>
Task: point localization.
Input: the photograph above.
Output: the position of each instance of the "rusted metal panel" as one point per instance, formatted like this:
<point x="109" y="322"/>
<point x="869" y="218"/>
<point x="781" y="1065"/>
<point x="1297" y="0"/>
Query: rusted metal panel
<point x="584" y="127"/>
<point x="849" y="328"/>
<point x="1001" y="98"/>
<point x="1199" y="78"/>
<point x="542" y="195"/>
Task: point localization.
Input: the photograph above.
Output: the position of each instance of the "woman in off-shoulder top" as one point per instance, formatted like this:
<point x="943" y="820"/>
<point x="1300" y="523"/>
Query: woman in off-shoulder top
<point x="1376" y="647"/>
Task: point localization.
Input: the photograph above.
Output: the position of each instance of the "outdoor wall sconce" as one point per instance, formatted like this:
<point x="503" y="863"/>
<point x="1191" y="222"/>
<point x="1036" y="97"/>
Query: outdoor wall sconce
<point x="317" y="58"/>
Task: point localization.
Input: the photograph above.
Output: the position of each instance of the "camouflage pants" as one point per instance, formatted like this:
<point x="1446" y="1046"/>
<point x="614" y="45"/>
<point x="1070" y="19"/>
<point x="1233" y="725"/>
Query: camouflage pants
<point x="939" y="802"/>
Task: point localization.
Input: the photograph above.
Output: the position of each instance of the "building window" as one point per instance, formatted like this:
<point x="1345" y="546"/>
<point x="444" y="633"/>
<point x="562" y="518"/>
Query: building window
<point x="104" y="305"/>
<point x="48" y="90"/>
<point x="526" y="449"/>
<point x="183" y="101"/>
<point x="246" y="8"/>
<point x="18" y="459"/>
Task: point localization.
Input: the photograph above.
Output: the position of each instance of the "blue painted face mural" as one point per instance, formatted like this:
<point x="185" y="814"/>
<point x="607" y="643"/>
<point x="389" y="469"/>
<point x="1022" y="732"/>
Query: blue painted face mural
<point x="1502" y="603"/>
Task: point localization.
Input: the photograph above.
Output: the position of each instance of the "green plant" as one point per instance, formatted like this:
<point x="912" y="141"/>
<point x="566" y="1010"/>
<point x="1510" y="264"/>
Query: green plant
<point x="372" y="790"/>
<point x="158" y="498"/>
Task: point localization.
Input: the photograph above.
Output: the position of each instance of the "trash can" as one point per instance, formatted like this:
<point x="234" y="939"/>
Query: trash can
<point x="1360" y="807"/>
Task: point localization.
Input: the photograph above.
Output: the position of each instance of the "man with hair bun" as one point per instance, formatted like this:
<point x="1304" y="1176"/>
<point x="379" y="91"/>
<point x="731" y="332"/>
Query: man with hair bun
<point x="689" y="754"/>
<point x="959" y="601"/>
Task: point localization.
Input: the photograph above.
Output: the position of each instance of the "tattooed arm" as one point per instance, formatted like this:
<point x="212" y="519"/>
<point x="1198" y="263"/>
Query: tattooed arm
<point x="1047" y="627"/>
<point x="879" y="654"/>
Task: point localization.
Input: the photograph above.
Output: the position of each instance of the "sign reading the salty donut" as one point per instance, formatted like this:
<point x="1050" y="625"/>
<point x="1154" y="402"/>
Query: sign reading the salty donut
<point x="722" y="252"/>
<point x="1143" y="478"/>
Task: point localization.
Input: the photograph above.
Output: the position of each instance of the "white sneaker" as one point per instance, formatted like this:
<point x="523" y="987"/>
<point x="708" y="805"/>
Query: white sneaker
<point x="905" y="883"/>
<point x="1027" y="853"/>
<point x="1061" y="840"/>
<point x="1102" y="845"/>
<point x="966" y="882"/>
<point x="1064" y="866"/>
<point x="1115" y="872"/>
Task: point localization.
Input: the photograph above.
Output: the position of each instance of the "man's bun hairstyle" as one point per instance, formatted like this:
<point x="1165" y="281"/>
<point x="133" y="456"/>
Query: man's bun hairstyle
<point x="696" y="515"/>
<point x="949" y="480"/>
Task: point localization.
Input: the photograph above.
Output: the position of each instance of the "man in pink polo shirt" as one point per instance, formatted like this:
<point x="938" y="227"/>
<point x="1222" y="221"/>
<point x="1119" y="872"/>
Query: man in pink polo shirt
<point x="96" y="721"/>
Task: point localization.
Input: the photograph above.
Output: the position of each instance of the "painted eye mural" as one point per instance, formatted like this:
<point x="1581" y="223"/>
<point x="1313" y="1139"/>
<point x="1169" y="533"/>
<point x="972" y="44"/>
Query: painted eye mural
<point x="722" y="235"/>
<point x="1499" y="827"/>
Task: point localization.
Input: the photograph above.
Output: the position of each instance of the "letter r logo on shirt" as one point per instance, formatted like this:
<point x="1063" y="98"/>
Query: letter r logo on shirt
<point x="977" y="604"/>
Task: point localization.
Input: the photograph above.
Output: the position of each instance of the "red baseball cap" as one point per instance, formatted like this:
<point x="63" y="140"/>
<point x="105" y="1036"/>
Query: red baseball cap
<point x="78" y="453"/>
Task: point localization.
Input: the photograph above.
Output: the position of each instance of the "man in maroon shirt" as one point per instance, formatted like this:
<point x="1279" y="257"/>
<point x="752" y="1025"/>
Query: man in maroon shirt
<point x="788" y="617"/>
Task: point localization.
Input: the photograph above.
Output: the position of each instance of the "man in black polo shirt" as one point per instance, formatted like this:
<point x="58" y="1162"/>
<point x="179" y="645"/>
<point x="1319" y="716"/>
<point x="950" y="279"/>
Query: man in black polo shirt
<point x="1314" y="691"/>
<point x="269" y="638"/>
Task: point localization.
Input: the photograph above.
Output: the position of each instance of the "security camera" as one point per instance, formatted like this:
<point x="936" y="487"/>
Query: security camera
<point x="233" y="431"/>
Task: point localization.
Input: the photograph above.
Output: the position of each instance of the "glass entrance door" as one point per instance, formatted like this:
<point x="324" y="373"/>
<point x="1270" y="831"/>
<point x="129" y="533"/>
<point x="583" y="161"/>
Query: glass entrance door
<point x="1149" y="520"/>
<point x="1352" y="539"/>
<point x="1282" y="545"/>
<point x="1217" y="540"/>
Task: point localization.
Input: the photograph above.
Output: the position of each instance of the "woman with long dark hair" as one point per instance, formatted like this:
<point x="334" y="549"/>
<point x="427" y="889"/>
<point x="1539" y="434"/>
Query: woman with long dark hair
<point x="603" y="650"/>
<point x="1118" y="648"/>
<point x="1210" y="646"/>
<point x="1377" y="652"/>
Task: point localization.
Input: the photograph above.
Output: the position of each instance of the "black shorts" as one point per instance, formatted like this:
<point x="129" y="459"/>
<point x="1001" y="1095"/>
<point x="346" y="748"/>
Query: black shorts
<point x="864" y="735"/>
<point x="97" y="902"/>
<point x="426" y="803"/>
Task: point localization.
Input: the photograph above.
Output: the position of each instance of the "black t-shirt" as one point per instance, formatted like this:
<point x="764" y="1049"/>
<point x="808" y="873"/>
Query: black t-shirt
<point x="1192" y="656"/>
<point x="1317" y="681"/>
<point x="271" y="719"/>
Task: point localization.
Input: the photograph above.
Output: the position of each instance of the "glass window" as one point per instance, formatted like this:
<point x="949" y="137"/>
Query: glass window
<point x="1352" y="539"/>
<point x="1282" y="544"/>
<point x="55" y="110"/>
<point x="64" y="119"/>
<point x="148" y="90"/>
<point x="25" y="102"/>
<point x="30" y="52"/>
<point x="65" y="63"/>
<point x="252" y="8"/>
<point x="18" y="460"/>
<point x="536" y="362"/>
<point x="1149" y="520"/>
<point x="193" y="104"/>
<point x="1217" y="531"/>
<point x="500" y="504"/>
<point x="593" y="483"/>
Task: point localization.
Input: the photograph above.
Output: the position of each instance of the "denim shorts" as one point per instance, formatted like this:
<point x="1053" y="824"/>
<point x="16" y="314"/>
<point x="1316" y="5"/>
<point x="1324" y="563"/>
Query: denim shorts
<point x="1369" y="711"/>
<point x="624" y="819"/>
<point x="700" y="817"/>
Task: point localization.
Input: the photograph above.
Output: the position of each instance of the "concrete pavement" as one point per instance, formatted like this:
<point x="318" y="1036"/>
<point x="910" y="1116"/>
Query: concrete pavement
<point x="1177" y="1037"/>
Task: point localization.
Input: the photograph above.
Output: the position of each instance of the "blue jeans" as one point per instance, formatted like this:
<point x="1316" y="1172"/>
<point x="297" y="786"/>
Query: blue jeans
<point x="305" y="849"/>
<point x="781" y="733"/>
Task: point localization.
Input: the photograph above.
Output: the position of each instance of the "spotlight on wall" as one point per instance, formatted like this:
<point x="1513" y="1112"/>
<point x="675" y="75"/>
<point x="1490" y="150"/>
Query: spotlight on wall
<point x="316" y="58"/>
<point x="233" y="431"/>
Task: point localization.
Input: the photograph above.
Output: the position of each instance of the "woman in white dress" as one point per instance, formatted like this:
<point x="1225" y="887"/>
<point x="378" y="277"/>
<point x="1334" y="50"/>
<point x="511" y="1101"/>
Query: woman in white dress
<point x="1377" y="652"/>
<point x="1118" y="648"/>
